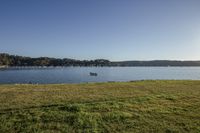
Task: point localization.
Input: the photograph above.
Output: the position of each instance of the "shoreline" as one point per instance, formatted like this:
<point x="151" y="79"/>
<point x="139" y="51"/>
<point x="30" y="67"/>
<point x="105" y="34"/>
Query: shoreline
<point x="85" y="66"/>
<point x="4" y="67"/>
<point x="106" y="82"/>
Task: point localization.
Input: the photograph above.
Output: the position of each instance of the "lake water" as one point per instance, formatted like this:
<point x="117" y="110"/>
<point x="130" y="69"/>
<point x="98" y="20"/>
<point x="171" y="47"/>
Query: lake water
<point x="105" y="74"/>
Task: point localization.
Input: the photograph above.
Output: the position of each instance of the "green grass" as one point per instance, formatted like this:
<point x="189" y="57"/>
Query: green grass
<point x="135" y="107"/>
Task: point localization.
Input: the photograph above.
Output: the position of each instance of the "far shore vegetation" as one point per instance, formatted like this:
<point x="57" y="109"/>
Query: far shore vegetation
<point x="158" y="106"/>
<point x="7" y="60"/>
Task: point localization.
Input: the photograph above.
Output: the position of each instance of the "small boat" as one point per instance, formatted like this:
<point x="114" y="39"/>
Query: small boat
<point x="93" y="74"/>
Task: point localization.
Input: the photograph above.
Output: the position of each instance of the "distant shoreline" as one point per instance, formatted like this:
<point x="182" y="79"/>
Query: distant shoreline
<point x="7" y="60"/>
<point x="48" y="67"/>
<point x="4" y="66"/>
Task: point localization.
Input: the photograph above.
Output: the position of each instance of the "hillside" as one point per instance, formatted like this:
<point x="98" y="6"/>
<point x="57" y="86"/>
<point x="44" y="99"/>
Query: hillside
<point x="14" y="60"/>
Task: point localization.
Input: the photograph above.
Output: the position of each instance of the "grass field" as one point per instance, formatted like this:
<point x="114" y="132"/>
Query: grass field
<point x="135" y="107"/>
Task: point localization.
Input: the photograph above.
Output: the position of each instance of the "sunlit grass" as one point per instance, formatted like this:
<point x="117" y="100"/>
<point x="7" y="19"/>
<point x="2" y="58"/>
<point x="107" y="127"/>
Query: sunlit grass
<point x="143" y="106"/>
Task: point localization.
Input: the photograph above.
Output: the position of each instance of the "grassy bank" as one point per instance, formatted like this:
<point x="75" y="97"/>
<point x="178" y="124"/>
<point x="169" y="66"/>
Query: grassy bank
<point x="143" y="106"/>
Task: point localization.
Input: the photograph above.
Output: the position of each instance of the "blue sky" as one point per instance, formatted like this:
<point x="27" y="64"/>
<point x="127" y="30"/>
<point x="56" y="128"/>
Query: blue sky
<point x="110" y="29"/>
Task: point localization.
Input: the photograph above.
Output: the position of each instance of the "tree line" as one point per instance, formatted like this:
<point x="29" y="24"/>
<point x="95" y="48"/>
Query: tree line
<point x="14" y="60"/>
<point x="159" y="63"/>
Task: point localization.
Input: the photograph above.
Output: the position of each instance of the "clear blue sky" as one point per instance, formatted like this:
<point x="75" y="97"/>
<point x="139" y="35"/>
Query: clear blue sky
<point x="111" y="29"/>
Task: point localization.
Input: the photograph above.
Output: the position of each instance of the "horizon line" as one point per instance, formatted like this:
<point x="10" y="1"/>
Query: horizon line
<point x="98" y="58"/>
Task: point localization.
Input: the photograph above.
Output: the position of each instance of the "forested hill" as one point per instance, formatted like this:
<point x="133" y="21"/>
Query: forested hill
<point x="13" y="60"/>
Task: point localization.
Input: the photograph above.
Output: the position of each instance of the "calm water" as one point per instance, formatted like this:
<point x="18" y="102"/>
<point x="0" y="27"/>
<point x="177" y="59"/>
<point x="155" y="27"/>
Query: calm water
<point x="81" y="74"/>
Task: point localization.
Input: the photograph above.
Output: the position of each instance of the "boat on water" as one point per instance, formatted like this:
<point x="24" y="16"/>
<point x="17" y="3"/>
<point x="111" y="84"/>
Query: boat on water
<point x="93" y="74"/>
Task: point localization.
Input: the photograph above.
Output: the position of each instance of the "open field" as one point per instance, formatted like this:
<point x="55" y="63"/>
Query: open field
<point x="139" y="107"/>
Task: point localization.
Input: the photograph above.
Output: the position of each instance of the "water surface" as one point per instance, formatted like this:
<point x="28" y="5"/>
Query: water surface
<point x="105" y="74"/>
